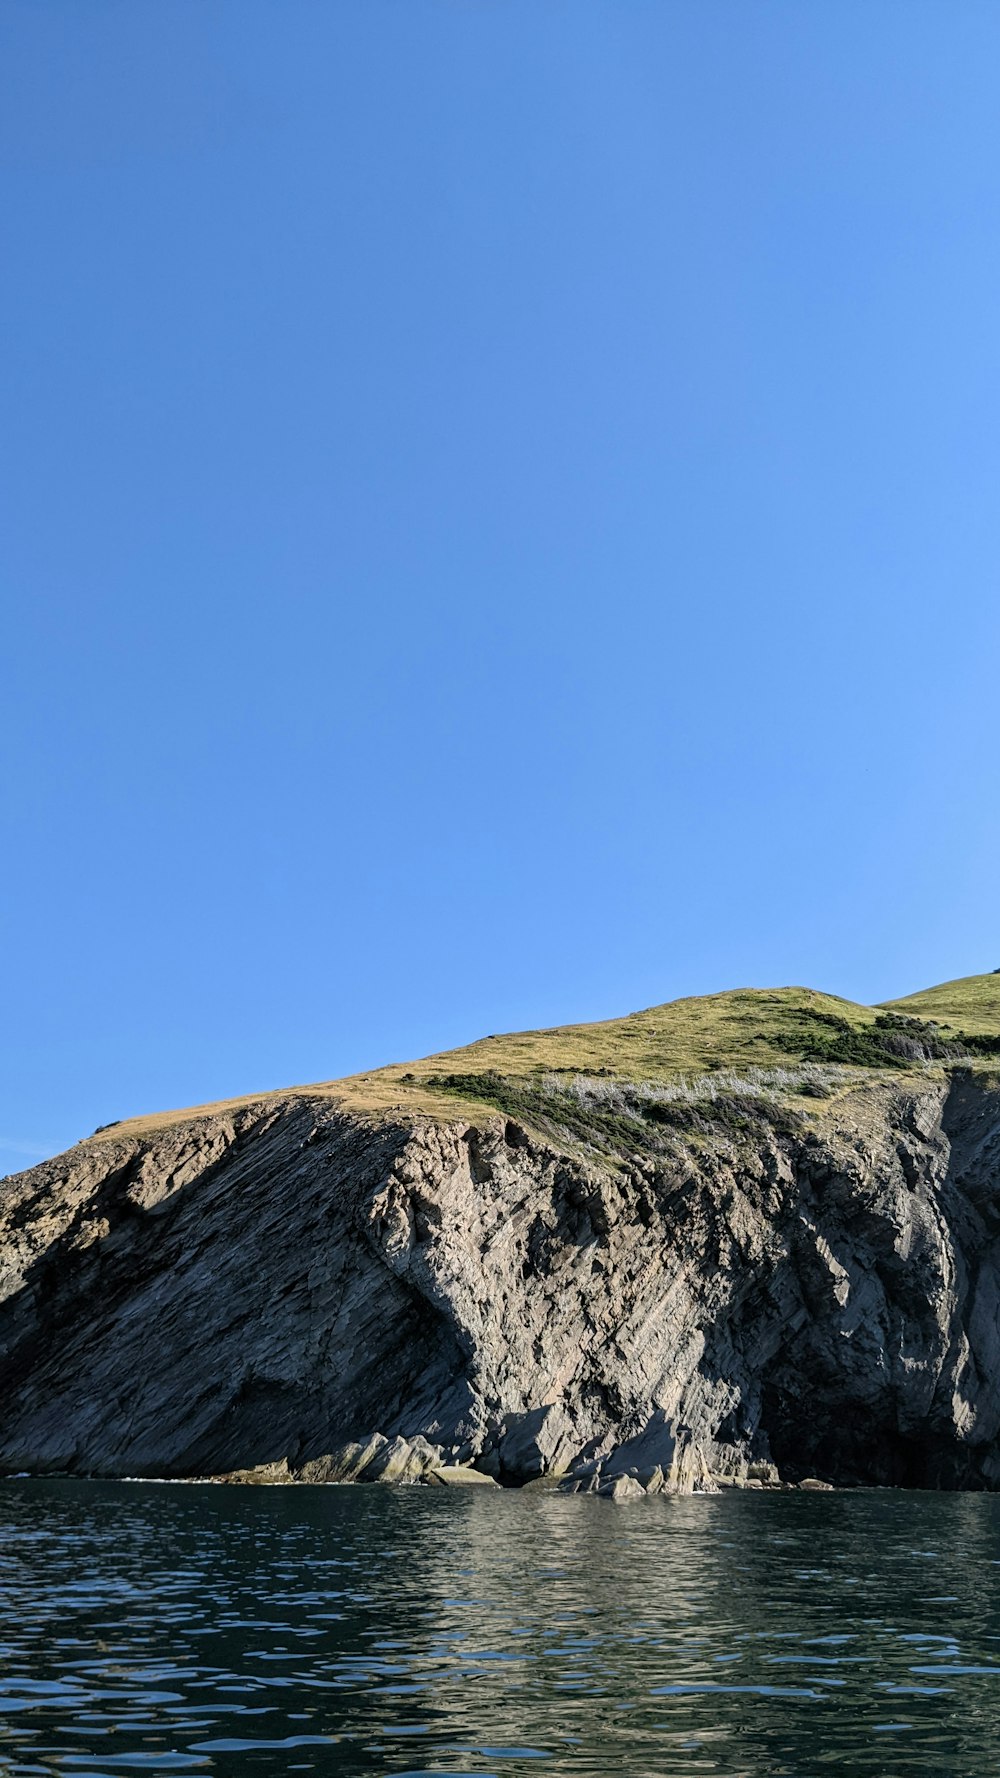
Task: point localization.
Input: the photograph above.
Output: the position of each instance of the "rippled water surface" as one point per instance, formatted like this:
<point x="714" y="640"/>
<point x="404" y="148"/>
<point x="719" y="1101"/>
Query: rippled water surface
<point x="417" y="1630"/>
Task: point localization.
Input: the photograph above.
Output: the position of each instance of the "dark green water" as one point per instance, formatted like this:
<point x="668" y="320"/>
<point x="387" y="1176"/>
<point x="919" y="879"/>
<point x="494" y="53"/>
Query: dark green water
<point x="369" y="1630"/>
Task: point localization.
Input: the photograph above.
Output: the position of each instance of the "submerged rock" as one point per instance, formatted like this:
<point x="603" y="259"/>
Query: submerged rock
<point x="460" y="1477"/>
<point x="621" y="1487"/>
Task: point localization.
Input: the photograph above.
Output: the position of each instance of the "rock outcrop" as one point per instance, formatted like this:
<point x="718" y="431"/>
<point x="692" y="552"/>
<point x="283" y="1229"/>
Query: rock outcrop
<point x="293" y="1290"/>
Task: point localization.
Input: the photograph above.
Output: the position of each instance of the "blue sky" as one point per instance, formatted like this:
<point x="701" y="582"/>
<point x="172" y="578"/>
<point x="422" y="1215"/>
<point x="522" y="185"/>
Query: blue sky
<point x="501" y="524"/>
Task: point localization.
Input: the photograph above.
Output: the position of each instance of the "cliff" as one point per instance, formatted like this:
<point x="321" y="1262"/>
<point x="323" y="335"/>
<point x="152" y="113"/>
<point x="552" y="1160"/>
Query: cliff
<point x="700" y="1278"/>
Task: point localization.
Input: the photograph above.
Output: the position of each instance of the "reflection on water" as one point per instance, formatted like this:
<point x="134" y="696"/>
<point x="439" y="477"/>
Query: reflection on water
<point x="416" y="1630"/>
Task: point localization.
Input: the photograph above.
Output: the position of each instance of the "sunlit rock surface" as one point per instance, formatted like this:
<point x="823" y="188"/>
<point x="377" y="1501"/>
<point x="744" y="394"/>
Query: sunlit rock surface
<point x="352" y="1297"/>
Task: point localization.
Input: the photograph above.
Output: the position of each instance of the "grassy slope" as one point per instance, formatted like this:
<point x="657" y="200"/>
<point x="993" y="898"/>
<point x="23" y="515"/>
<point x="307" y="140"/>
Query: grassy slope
<point x="971" y="1004"/>
<point x="763" y="1028"/>
<point x="748" y="1027"/>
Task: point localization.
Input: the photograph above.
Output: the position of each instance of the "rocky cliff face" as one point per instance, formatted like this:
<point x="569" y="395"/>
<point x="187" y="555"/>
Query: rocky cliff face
<point x="804" y="1296"/>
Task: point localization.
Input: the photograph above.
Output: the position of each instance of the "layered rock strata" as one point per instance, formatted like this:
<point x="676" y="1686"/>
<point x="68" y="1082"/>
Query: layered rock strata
<point x="291" y="1290"/>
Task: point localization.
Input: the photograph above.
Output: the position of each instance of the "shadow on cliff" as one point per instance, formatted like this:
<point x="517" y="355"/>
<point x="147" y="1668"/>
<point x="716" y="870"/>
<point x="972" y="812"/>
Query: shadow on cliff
<point x="888" y="1372"/>
<point x="193" y="1318"/>
<point x="219" y="1296"/>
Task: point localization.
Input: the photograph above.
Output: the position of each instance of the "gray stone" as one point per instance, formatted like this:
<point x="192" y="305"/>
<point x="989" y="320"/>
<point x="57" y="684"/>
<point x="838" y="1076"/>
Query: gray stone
<point x="357" y="1460"/>
<point x="266" y="1475"/>
<point x="459" y="1477"/>
<point x="621" y="1487"/>
<point x="286" y="1283"/>
<point x="405" y="1460"/>
<point x="588" y="1468"/>
<point x="538" y="1441"/>
<point x="654" y="1446"/>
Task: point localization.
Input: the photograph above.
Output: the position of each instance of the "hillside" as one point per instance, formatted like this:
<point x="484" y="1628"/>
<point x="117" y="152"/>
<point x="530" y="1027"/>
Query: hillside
<point x="747" y="1238"/>
<point x="970" y="1004"/>
<point x="736" y="1036"/>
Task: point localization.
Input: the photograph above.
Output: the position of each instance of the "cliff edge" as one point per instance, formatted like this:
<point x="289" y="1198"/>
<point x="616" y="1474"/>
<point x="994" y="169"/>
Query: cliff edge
<point x="734" y="1239"/>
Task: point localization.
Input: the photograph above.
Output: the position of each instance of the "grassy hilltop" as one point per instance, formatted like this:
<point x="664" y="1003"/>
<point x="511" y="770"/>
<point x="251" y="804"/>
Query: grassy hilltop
<point x="650" y="1068"/>
<point x="970" y="1004"/>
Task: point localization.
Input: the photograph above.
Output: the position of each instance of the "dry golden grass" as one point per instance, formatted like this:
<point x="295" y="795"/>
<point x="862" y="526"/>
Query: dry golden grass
<point x="744" y="1028"/>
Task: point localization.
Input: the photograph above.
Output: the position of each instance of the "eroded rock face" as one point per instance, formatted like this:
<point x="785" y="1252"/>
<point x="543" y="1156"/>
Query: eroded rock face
<point x="290" y="1285"/>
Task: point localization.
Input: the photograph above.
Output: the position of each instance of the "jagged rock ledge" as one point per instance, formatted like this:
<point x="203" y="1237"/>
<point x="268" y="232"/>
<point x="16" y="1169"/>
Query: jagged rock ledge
<point x="804" y="1293"/>
<point x="627" y="1472"/>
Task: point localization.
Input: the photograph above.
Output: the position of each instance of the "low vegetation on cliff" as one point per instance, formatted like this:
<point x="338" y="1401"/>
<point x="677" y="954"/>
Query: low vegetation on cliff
<point x="735" y="1239"/>
<point x="718" y="1058"/>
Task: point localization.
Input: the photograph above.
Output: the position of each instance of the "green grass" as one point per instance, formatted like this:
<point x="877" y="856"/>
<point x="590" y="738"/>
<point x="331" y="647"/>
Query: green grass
<point x="742" y="1029"/>
<point x="742" y="1035"/>
<point x="970" y="1004"/>
<point x="748" y="1029"/>
<point x="628" y="1119"/>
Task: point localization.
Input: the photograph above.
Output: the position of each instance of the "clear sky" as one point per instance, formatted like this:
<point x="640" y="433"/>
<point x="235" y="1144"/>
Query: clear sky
<point x="501" y="524"/>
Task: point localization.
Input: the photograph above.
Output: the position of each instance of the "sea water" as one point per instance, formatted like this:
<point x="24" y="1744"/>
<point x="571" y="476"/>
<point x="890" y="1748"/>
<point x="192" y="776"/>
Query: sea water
<point x="226" y="1630"/>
